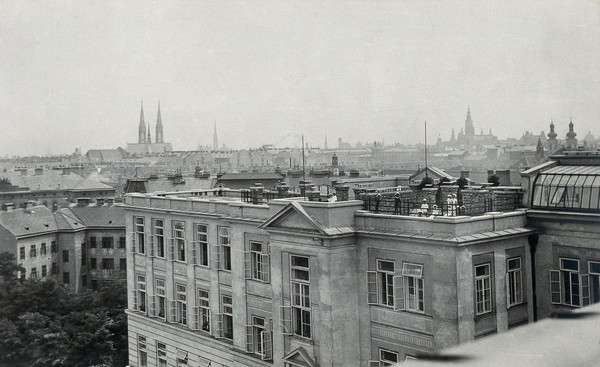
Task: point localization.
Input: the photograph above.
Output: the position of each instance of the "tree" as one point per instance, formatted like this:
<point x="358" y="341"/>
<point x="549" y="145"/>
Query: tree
<point x="426" y="181"/>
<point x="42" y="324"/>
<point x="9" y="269"/>
<point x="462" y="182"/>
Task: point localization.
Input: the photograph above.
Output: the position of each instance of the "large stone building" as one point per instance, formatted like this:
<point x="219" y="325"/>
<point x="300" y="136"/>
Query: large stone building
<point x="78" y="246"/>
<point x="220" y="282"/>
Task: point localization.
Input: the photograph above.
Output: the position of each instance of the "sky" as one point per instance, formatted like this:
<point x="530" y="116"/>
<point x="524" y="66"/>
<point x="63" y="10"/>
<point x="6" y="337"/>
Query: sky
<point x="73" y="73"/>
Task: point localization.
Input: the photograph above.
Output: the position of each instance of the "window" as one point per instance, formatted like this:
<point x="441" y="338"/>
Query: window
<point x="54" y="269"/>
<point x="161" y="302"/>
<point x="159" y="237"/>
<point x="300" y="292"/>
<point x="43" y="249"/>
<point x="122" y="242"/>
<point x="204" y="310"/>
<point x="225" y="248"/>
<point x="65" y="256"/>
<point x="66" y="279"/>
<point x="22" y="253"/>
<point x="123" y="264"/>
<point x="594" y="281"/>
<point x="92" y="263"/>
<point x="564" y="284"/>
<point x="257" y="262"/>
<point x="139" y="236"/>
<point x="514" y="282"/>
<point x="161" y="354"/>
<point x="182" y="358"/>
<point x="83" y="257"/>
<point x="94" y="284"/>
<point x="380" y="284"/>
<point x="142" y="353"/>
<point x="34" y="273"/>
<point x="258" y="338"/>
<point x="107" y="242"/>
<point x="53" y="247"/>
<point x="179" y="239"/>
<point x="483" y="291"/>
<point x="32" y="251"/>
<point x="140" y="295"/>
<point x="227" y="316"/>
<point x="202" y="243"/>
<point x="93" y="243"/>
<point x="44" y="271"/>
<point x="181" y="297"/>
<point x="108" y="264"/>
<point x="412" y="275"/>
<point x="387" y="358"/>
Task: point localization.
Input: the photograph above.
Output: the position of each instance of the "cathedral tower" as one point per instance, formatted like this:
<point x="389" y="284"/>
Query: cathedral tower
<point x="142" y="127"/>
<point x="571" y="142"/>
<point x="159" y="128"/>
<point x="469" y="126"/>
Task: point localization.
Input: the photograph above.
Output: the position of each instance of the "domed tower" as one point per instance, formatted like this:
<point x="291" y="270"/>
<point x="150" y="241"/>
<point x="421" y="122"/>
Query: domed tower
<point x="571" y="142"/>
<point x="142" y="127"/>
<point x="552" y="142"/>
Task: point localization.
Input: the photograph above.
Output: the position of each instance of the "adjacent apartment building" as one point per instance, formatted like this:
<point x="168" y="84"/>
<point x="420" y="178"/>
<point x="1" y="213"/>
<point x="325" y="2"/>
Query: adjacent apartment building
<point x="80" y="247"/>
<point x="215" y="281"/>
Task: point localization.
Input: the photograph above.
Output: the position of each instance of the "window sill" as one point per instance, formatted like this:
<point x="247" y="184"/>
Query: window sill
<point x="485" y="315"/>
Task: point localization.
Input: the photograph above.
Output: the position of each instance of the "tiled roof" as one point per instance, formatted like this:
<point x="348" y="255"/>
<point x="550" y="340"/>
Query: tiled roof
<point x="97" y="216"/>
<point x="23" y="222"/>
<point x="53" y="180"/>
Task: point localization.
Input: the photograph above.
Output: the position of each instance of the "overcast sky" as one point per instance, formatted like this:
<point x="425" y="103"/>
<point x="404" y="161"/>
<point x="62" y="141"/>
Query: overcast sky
<point x="74" y="73"/>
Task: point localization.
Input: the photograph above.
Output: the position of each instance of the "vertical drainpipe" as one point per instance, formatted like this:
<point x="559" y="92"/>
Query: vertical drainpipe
<point x="533" y="241"/>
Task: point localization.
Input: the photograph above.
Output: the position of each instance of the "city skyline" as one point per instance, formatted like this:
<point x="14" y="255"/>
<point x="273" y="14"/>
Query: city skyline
<point x="270" y="73"/>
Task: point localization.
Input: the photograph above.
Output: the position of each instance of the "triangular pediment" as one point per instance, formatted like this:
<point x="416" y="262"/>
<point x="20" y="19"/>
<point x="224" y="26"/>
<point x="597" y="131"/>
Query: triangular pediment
<point x="300" y="358"/>
<point x="294" y="217"/>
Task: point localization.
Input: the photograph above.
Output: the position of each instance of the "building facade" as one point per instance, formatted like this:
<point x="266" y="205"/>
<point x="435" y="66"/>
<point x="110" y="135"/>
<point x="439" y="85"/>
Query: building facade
<point x="215" y="281"/>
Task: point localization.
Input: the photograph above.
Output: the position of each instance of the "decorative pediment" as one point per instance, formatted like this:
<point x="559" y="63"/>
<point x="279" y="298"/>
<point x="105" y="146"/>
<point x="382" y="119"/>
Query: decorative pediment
<point x="294" y="217"/>
<point x="299" y="357"/>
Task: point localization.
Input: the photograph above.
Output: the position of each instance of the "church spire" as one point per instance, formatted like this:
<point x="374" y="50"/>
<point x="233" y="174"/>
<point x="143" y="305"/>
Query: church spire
<point x="142" y="127"/>
<point x="149" y="139"/>
<point x="215" y="138"/>
<point x="469" y="126"/>
<point x="159" y="127"/>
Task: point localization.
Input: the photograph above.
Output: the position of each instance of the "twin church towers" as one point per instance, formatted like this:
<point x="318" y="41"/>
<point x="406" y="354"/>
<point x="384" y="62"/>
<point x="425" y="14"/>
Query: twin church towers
<point x="144" y="138"/>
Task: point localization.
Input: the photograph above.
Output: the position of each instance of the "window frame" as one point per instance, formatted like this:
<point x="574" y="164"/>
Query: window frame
<point x="594" y="282"/>
<point x="158" y="231"/>
<point x="227" y="313"/>
<point x="181" y="304"/>
<point x="202" y="248"/>
<point x="514" y="282"/>
<point x="418" y="287"/>
<point x="383" y="362"/>
<point x="225" y="248"/>
<point x="139" y="234"/>
<point x="300" y="298"/>
<point x="203" y="310"/>
<point x="141" y="293"/>
<point x="179" y="240"/>
<point x="160" y="294"/>
<point x="480" y="289"/>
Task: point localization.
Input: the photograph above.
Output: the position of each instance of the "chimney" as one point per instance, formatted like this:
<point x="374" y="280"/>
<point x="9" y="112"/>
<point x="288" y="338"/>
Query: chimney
<point x="8" y="207"/>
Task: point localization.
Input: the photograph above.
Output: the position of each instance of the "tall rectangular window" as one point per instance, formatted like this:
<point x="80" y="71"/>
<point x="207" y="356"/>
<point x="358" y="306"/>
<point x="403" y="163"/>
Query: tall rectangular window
<point x="181" y="298"/>
<point x="43" y="249"/>
<point x="34" y="273"/>
<point x="594" y="273"/>
<point x="140" y="237"/>
<point x="33" y="251"/>
<point x="44" y="271"/>
<point x="385" y="282"/>
<point x="21" y="253"/>
<point x="225" y="247"/>
<point x="122" y="242"/>
<point x="204" y="308"/>
<point x="161" y="354"/>
<point x="300" y="293"/>
<point x="569" y="269"/>
<point x="179" y="238"/>
<point x="202" y="243"/>
<point x="107" y="242"/>
<point x="161" y="302"/>
<point x="108" y="264"/>
<point x="54" y="269"/>
<point x="65" y="256"/>
<point x="93" y="243"/>
<point x="483" y="290"/>
<point x="142" y="352"/>
<point x="227" y="311"/>
<point x="514" y="279"/>
<point x="92" y="263"/>
<point x="141" y="293"/>
<point x="53" y="247"/>
<point x="122" y="264"/>
<point x="413" y="287"/>
<point x="387" y="358"/>
<point x="66" y="278"/>
<point x="159" y="237"/>
<point x="257" y="262"/>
